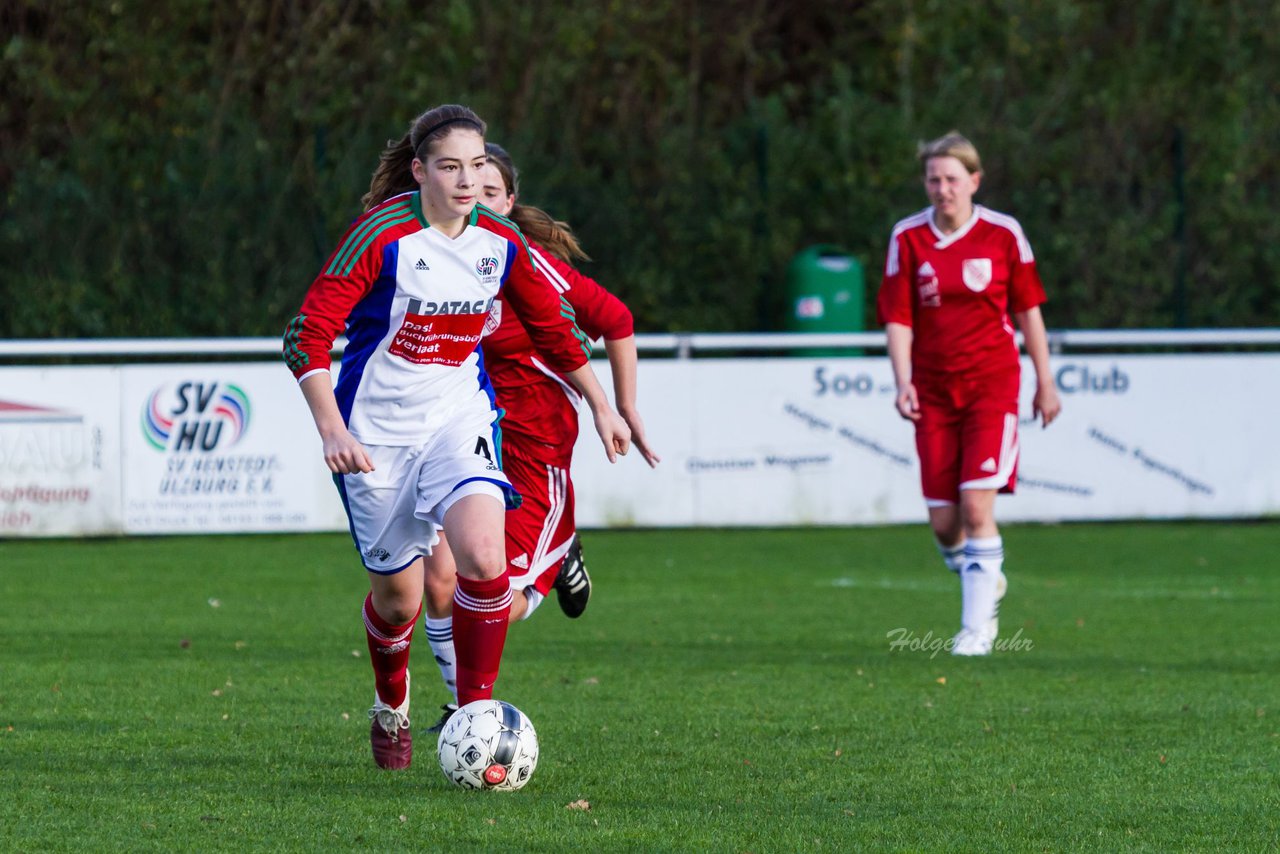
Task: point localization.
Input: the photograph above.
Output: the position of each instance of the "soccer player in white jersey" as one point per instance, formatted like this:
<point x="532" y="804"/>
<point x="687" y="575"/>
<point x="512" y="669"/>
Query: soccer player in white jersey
<point x="955" y="274"/>
<point x="411" y="430"/>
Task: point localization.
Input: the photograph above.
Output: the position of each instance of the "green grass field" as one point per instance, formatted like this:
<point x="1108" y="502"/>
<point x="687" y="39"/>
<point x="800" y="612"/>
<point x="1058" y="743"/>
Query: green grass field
<point x="726" y="691"/>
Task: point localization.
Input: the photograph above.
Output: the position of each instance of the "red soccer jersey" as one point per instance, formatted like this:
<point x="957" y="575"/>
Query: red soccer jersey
<point x="957" y="291"/>
<point x="540" y="404"/>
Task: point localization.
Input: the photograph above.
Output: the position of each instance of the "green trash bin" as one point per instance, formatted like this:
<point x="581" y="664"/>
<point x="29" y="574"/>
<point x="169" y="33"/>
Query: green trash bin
<point x="825" y="287"/>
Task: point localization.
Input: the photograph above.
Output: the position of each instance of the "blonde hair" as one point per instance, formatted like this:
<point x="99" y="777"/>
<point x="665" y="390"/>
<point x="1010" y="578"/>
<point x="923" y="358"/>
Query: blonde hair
<point x="951" y="144"/>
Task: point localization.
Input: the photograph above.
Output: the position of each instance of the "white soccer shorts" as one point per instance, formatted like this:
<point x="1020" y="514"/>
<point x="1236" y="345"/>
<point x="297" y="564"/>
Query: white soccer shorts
<point x="397" y="510"/>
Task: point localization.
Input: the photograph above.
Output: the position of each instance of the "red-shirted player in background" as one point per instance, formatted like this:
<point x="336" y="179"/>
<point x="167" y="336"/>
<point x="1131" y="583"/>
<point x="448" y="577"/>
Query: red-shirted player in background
<point x="955" y="274"/>
<point x="540" y="425"/>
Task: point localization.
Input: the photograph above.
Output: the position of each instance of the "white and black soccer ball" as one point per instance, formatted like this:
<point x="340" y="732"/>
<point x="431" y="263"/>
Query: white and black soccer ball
<point x="488" y="744"/>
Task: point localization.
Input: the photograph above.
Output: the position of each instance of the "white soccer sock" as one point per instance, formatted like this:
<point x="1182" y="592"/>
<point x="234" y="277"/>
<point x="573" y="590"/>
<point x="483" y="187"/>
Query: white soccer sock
<point x="534" y="598"/>
<point x="980" y="582"/>
<point x="952" y="556"/>
<point x="440" y="636"/>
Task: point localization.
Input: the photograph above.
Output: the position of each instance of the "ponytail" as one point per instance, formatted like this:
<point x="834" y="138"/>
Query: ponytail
<point x="539" y="226"/>
<point x="393" y="175"/>
<point x="551" y="234"/>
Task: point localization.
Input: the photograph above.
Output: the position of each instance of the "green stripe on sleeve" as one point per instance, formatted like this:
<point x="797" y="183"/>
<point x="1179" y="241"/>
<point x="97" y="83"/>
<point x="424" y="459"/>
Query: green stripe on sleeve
<point x="346" y="269"/>
<point x="584" y="340"/>
<point x="360" y="239"/>
<point x="294" y="357"/>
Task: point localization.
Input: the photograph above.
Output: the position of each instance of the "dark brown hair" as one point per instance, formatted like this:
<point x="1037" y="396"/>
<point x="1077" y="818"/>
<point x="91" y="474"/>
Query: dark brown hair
<point x="539" y="226"/>
<point x="394" y="174"/>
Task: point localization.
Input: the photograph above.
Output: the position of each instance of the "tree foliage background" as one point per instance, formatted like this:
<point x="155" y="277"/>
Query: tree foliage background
<point x="183" y="167"/>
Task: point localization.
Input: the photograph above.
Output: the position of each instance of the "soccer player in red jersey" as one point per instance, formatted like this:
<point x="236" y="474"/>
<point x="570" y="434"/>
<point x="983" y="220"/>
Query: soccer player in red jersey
<point x="411" y="430"/>
<point x="540" y="425"/>
<point x="955" y="274"/>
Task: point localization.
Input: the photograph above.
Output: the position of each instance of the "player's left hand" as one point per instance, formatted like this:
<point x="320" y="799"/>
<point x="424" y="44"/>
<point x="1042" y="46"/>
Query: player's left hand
<point x="1046" y="404"/>
<point x="638" y="438"/>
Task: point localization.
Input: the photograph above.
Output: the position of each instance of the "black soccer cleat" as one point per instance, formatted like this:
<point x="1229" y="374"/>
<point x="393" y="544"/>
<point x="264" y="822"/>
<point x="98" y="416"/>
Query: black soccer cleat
<point x="573" y="585"/>
<point x="447" y="711"/>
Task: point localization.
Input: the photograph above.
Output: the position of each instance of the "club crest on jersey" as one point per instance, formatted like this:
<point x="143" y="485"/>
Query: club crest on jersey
<point x="494" y="320"/>
<point x="977" y="273"/>
<point x="487" y="268"/>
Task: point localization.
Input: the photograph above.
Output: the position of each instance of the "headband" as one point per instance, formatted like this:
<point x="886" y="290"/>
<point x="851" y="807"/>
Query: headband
<point x="438" y="125"/>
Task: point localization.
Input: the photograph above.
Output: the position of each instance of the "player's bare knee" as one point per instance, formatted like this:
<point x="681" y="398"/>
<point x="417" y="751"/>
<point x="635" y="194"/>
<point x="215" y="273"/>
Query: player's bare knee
<point x="946" y="524"/>
<point x="982" y="524"/>
<point x="977" y="511"/>
<point x="948" y="534"/>
<point x="439" y="598"/>
<point x="396" y="610"/>
<point x="482" y="562"/>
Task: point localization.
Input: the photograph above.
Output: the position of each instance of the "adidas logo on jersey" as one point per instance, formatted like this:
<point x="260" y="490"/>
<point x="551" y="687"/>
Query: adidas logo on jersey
<point x="926" y="271"/>
<point x="421" y="265"/>
<point x="988" y="465"/>
<point x="521" y="562"/>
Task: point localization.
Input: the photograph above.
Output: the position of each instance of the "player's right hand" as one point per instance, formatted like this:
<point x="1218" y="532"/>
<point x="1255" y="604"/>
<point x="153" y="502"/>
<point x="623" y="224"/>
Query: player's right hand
<point x="344" y="455"/>
<point x="614" y="433"/>
<point x="907" y="402"/>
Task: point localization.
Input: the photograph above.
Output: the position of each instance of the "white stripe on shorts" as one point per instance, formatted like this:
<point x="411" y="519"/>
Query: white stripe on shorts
<point x="1008" y="458"/>
<point x="557" y="479"/>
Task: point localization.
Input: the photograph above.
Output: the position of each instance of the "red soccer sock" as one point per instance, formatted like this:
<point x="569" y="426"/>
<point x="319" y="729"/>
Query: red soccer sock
<point x="389" y="654"/>
<point x="480" y="610"/>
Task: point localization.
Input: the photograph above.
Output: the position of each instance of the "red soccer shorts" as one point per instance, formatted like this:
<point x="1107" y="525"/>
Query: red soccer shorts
<point x="967" y="435"/>
<point x="541" y="530"/>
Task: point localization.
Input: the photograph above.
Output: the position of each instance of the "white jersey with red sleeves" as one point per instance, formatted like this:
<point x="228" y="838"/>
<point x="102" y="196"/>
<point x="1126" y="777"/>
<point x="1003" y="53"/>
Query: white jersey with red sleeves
<point x="414" y="303"/>
<point x="539" y="403"/>
<point x="957" y="291"/>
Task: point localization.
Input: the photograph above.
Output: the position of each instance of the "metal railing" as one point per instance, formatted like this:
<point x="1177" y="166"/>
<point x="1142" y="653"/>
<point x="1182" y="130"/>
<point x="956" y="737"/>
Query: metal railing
<point x="680" y="344"/>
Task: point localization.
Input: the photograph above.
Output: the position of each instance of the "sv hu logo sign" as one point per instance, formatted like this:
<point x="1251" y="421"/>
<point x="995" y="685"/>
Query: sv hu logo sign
<point x="195" y="416"/>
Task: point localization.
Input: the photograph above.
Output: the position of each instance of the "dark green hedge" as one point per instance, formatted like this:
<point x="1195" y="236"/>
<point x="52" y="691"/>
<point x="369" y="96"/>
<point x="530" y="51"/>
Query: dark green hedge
<point x="182" y="167"/>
